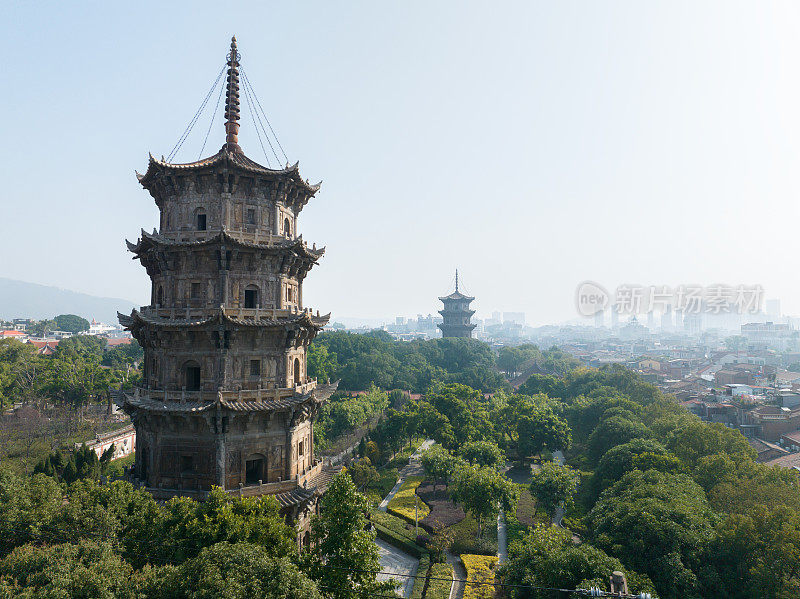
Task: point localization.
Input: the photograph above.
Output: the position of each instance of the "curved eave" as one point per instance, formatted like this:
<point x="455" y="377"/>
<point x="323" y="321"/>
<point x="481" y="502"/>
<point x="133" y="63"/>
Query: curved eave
<point x="456" y="297"/>
<point x="155" y="239"/>
<point x="233" y="160"/>
<point x="304" y="319"/>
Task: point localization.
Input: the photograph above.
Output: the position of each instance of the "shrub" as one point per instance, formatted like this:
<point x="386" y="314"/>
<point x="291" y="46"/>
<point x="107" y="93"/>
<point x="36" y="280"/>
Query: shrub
<point x="480" y="569"/>
<point x="466" y="540"/>
<point x="405" y="503"/>
<point x="422" y="577"/>
<point x="443" y="512"/>
<point x="439" y="582"/>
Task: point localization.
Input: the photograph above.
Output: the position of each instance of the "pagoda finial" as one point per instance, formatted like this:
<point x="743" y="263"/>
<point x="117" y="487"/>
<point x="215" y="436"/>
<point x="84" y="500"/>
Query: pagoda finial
<point x="456" y="280"/>
<point x="232" y="100"/>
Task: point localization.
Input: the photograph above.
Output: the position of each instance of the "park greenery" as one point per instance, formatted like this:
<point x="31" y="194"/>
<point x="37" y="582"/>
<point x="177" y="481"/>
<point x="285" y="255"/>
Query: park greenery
<point x="679" y="505"/>
<point x="361" y="360"/>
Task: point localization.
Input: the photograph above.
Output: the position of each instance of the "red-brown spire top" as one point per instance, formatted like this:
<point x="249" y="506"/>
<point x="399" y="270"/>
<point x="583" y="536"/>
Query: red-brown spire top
<point x="232" y="100"/>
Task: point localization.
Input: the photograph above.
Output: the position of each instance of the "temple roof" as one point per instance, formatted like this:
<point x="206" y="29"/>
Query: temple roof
<point x="156" y="239"/>
<point x="228" y="157"/>
<point x="456" y="295"/>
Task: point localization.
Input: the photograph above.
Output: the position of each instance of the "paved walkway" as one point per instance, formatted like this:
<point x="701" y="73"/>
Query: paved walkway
<point x="502" y="538"/>
<point x="394" y="561"/>
<point x="413" y="468"/>
<point x="459" y="575"/>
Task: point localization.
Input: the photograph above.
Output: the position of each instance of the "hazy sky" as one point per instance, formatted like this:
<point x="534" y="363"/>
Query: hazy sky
<point x="533" y="145"/>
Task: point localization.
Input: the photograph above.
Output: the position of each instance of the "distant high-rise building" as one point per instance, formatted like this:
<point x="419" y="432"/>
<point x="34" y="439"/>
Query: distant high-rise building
<point x="497" y="316"/>
<point x="614" y="317"/>
<point x="774" y="307"/>
<point x="599" y="319"/>
<point x="666" y="319"/>
<point x="651" y="320"/>
<point x="456" y="314"/>
<point x="515" y="317"/>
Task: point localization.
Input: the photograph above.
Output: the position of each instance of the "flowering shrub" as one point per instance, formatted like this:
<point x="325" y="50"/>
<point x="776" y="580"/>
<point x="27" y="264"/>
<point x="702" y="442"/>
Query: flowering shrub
<point x="480" y="569"/>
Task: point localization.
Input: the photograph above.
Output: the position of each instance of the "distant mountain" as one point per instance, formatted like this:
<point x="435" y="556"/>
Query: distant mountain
<point x="19" y="299"/>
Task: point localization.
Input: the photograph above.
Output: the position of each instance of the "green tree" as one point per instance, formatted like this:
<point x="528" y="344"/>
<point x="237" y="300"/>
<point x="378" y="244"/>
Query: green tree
<point x="41" y="328"/>
<point x="71" y="323"/>
<point x="85" y="569"/>
<point x="553" y="485"/>
<point x="234" y="571"/>
<point x="483" y="453"/>
<point x="363" y="472"/>
<point x="538" y="426"/>
<point x="344" y="555"/>
<point x="483" y="492"/>
<point x="616" y="430"/>
<point x="438" y="463"/>
<point x="619" y="460"/>
<point x="659" y="524"/>
<point x="547" y="557"/>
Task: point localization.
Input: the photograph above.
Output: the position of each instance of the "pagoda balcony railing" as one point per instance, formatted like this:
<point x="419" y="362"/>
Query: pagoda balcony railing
<point x="196" y="313"/>
<point x="259" y="394"/>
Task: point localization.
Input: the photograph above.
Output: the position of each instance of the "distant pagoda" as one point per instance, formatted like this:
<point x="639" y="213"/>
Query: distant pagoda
<point x="456" y="314"/>
<point x="225" y="398"/>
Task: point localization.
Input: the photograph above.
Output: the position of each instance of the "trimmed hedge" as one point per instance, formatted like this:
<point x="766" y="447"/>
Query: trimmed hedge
<point x="439" y="589"/>
<point x="418" y="592"/>
<point x="480" y="568"/>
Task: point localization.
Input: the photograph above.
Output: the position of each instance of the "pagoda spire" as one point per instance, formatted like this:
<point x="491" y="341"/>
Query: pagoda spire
<point x="456" y="280"/>
<point x="232" y="100"/>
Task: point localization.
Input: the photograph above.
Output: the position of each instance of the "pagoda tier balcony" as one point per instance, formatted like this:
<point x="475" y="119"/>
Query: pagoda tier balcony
<point x="196" y="313"/>
<point x="241" y="396"/>
<point x="292" y="491"/>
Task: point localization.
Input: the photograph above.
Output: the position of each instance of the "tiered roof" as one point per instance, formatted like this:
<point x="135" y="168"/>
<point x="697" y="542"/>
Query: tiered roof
<point x="230" y="157"/>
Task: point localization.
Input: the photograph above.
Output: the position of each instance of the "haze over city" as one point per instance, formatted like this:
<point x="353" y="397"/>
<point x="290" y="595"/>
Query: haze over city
<point x="533" y="145"/>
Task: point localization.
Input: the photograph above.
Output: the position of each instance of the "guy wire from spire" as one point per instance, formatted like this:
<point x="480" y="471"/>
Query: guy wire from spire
<point x="188" y="129"/>
<point x="249" y="90"/>
<point x="258" y="102"/>
<point x="211" y="124"/>
<point x="255" y="125"/>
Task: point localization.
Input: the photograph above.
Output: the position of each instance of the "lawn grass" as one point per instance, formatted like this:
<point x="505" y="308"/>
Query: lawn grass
<point x="441" y="579"/>
<point x="526" y="507"/>
<point x="480" y="569"/>
<point x="405" y="503"/>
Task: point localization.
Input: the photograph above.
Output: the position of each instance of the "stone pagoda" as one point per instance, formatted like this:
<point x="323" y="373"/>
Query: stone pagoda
<point x="225" y="399"/>
<point x="456" y="314"/>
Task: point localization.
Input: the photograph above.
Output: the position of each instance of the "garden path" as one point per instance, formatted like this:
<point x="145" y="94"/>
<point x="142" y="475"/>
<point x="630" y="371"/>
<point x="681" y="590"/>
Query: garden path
<point x="395" y="562"/>
<point x="459" y="575"/>
<point x="413" y="468"/>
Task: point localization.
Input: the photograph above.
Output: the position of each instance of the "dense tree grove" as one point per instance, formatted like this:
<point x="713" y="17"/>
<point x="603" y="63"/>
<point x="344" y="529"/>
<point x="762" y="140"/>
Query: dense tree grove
<point x="376" y="358"/>
<point x="81" y="370"/>
<point x="681" y="506"/>
<point x="113" y="541"/>
<point x="674" y="502"/>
